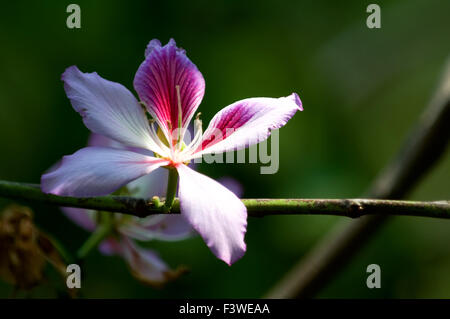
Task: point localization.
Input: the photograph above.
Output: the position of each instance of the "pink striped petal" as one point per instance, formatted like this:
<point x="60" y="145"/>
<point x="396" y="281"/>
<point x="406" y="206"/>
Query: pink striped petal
<point x="95" y="171"/>
<point x="247" y="122"/>
<point x="164" y="68"/>
<point x="108" y="108"/>
<point x="214" y="212"/>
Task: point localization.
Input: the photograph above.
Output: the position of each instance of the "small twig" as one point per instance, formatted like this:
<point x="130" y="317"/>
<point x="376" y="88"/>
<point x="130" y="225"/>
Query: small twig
<point x="352" y="208"/>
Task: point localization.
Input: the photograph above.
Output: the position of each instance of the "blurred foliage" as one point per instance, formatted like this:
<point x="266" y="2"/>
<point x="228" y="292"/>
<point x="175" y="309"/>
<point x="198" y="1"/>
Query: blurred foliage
<point x="362" y="90"/>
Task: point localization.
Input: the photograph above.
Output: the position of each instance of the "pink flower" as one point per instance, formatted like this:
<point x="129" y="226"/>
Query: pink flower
<point x="171" y="88"/>
<point x="145" y="264"/>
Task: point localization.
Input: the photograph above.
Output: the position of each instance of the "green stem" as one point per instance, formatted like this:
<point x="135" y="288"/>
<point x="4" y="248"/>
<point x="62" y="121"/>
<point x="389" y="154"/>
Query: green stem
<point x="100" y="233"/>
<point x="257" y="207"/>
<point x="172" y="184"/>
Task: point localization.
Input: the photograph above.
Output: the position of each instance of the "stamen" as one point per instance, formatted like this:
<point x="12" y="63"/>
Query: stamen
<point x="155" y="143"/>
<point x="157" y="140"/>
<point x="155" y="146"/>
<point x="197" y="140"/>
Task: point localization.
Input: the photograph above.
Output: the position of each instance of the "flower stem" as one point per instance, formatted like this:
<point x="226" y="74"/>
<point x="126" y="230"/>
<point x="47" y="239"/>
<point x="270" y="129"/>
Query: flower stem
<point x="172" y="184"/>
<point x="103" y="230"/>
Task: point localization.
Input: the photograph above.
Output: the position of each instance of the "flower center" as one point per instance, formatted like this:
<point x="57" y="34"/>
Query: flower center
<point x="171" y="144"/>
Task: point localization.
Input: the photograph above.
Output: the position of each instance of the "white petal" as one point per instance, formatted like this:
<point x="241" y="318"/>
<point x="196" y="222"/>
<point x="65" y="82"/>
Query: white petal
<point x="215" y="212"/>
<point x="95" y="171"/>
<point x="108" y="108"/>
<point x="145" y="264"/>
<point x="161" y="227"/>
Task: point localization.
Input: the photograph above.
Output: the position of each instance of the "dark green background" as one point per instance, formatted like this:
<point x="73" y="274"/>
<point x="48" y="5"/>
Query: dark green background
<point x="362" y="90"/>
